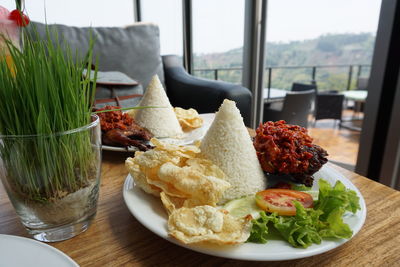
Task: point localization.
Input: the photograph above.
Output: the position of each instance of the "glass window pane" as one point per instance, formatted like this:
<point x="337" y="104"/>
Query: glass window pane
<point x="168" y="15"/>
<point x="218" y="31"/>
<point x="331" y="43"/>
<point x="332" y="34"/>
<point x="82" y="13"/>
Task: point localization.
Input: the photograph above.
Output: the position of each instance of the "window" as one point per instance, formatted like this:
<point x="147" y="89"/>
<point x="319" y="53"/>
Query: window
<point x="331" y="35"/>
<point x="218" y="31"/>
<point x="330" y="43"/>
<point x="168" y="15"/>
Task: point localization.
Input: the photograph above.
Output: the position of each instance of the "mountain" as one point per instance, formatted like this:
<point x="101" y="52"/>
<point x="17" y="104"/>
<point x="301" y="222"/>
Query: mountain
<point x="330" y="49"/>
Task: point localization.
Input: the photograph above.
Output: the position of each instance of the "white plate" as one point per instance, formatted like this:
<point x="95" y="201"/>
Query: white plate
<point x="187" y="138"/>
<point x="19" y="251"/>
<point x="149" y="211"/>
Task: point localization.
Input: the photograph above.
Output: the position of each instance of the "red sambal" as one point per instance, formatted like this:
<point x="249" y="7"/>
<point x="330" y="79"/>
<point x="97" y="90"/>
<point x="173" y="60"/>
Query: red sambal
<point x="287" y="149"/>
<point x="114" y="119"/>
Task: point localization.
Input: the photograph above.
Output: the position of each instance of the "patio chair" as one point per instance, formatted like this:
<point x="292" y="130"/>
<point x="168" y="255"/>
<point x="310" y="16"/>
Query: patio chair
<point x="295" y="110"/>
<point x="296" y="87"/>
<point x="328" y="106"/>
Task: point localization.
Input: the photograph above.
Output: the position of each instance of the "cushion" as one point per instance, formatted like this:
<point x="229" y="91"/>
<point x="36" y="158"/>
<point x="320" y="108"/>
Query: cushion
<point x="133" y="50"/>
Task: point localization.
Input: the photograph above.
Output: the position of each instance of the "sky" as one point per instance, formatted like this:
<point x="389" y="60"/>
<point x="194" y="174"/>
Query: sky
<point x="290" y="20"/>
<point x="217" y="24"/>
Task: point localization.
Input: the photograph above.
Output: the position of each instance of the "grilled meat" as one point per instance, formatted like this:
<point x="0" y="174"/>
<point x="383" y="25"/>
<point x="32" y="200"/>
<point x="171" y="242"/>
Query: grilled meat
<point x="137" y="132"/>
<point x="119" y="129"/>
<point x="118" y="137"/>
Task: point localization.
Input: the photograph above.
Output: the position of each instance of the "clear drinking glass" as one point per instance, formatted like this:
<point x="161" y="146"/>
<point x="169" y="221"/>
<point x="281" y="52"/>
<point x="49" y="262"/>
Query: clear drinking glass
<point x="53" y="180"/>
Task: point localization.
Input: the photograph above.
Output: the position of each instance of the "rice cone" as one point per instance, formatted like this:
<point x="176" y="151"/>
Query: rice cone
<point x="228" y="145"/>
<point x="161" y="122"/>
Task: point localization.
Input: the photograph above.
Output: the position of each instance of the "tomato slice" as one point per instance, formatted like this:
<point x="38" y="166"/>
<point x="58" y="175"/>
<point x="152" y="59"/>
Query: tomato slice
<point x="281" y="200"/>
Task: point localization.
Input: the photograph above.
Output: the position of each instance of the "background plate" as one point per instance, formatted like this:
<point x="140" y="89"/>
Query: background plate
<point x="19" y="251"/>
<point x="148" y="210"/>
<point x="187" y="138"/>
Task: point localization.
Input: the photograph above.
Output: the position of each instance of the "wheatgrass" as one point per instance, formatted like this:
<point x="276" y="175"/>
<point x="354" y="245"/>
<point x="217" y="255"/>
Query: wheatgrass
<point x="41" y="97"/>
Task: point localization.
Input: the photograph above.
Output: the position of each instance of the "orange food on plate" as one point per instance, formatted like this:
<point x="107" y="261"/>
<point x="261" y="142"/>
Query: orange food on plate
<point x="114" y="119"/>
<point x="288" y="149"/>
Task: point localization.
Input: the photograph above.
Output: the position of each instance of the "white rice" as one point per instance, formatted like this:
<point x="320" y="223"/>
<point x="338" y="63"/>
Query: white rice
<point x="161" y="122"/>
<point x="228" y="145"/>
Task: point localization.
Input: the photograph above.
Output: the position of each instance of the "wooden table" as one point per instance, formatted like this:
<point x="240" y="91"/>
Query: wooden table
<point x="356" y="95"/>
<point x="116" y="238"/>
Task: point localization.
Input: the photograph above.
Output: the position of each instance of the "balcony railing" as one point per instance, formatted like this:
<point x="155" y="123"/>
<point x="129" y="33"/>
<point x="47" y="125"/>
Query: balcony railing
<point x="346" y="75"/>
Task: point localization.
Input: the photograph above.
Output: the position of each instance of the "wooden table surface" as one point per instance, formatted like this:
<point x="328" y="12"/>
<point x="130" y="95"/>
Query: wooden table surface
<point x="116" y="238"/>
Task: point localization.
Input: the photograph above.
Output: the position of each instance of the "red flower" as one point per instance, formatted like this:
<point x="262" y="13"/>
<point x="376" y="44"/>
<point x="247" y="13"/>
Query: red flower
<point x="21" y="19"/>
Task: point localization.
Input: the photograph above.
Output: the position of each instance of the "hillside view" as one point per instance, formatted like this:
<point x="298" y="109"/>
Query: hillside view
<point x="331" y="49"/>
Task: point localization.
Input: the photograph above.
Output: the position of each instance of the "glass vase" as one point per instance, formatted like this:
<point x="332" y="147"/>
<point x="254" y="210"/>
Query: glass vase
<point x="53" y="180"/>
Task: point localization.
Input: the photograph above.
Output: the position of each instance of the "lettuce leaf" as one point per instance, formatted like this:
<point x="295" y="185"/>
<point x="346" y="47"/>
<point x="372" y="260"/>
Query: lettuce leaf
<point x="334" y="226"/>
<point x="331" y="198"/>
<point x="300" y="230"/>
<point x="259" y="231"/>
<point x="300" y="187"/>
<point x="309" y="226"/>
<point x="334" y="202"/>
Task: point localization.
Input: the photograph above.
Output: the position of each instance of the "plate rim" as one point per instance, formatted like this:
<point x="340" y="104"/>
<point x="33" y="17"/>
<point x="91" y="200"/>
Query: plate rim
<point x="303" y="253"/>
<point x="43" y="245"/>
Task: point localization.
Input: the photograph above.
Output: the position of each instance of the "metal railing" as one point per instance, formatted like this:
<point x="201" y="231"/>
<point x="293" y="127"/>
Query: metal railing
<point x="313" y="69"/>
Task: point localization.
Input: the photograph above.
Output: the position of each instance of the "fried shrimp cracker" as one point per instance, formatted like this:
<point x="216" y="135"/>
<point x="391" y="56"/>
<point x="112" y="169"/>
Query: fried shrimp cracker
<point x="208" y="224"/>
<point x="189" y="119"/>
<point x="189" y="151"/>
<point x="140" y="177"/>
<point x="171" y="203"/>
<point x="205" y="167"/>
<point x="176" y="171"/>
<point x="189" y="187"/>
<point x="190" y="183"/>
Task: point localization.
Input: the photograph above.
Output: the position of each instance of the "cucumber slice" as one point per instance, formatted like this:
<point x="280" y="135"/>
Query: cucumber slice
<point x="242" y="207"/>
